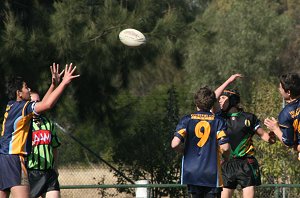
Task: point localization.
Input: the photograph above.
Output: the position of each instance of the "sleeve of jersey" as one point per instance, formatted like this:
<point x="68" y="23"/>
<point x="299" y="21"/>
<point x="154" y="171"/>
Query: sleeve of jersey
<point x="55" y="140"/>
<point x="31" y="107"/>
<point x="181" y="128"/>
<point x="256" y="123"/>
<point x="286" y="126"/>
<point x="221" y="133"/>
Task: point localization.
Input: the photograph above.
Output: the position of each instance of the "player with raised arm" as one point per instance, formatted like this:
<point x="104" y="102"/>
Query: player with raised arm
<point x="15" y="140"/>
<point x="201" y="137"/>
<point x="242" y="168"/>
<point x="287" y="128"/>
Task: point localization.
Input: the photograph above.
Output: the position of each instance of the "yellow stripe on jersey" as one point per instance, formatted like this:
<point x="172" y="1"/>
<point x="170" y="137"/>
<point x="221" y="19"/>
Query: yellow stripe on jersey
<point x="221" y="134"/>
<point x="296" y="126"/>
<point x="182" y="132"/>
<point x="20" y="135"/>
<point x="283" y="126"/>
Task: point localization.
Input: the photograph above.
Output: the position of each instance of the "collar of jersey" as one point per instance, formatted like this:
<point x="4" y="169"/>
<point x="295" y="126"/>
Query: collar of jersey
<point x="234" y="114"/>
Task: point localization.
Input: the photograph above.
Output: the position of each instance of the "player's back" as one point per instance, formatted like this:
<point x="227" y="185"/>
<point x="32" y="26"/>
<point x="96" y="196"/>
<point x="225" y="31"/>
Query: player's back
<point x="201" y="155"/>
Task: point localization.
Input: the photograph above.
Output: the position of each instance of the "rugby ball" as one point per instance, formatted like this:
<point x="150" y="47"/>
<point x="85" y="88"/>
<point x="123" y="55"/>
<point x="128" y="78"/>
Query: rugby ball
<point x="132" y="37"/>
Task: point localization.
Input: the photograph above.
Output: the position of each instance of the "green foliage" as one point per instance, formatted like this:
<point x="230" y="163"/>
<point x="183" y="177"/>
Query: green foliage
<point x="121" y="99"/>
<point x="144" y="150"/>
<point x="244" y="37"/>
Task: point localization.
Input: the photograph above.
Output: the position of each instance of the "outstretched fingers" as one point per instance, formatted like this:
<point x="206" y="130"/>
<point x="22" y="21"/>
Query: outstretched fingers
<point x="69" y="70"/>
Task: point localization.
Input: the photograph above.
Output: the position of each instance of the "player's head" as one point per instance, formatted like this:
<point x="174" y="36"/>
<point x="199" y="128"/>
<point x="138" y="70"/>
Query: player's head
<point x="205" y="98"/>
<point x="289" y="86"/>
<point x="34" y="96"/>
<point x="16" y="89"/>
<point x="228" y="99"/>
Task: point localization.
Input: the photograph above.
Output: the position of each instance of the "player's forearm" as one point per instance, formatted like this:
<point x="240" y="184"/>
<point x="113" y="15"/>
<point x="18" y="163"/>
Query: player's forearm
<point x="49" y="91"/>
<point x="51" y="100"/>
<point x="220" y="89"/>
<point x="225" y="150"/>
<point x="177" y="145"/>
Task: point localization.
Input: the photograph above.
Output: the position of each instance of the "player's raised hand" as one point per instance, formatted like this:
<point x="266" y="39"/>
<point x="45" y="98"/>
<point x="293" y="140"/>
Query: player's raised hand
<point x="234" y="77"/>
<point x="56" y="76"/>
<point x="271" y="124"/>
<point x="68" y="76"/>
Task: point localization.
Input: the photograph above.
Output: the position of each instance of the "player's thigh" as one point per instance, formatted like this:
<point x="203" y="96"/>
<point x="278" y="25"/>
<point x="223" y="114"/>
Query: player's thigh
<point x="4" y="194"/>
<point x="248" y="192"/>
<point x="20" y="191"/>
<point x="227" y="193"/>
<point x="52" y="194"/>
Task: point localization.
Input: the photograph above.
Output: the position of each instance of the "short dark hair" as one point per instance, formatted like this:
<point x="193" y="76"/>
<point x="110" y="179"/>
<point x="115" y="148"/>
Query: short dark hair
<point x="205" y="98"/>
<point x="14" y="84"/>
<point x="291" y="82"/>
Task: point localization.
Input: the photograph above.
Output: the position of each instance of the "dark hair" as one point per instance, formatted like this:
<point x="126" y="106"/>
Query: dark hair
<point x="205" y="98"/>
<point x="291" y="82"/>
<point x="13" y="84"/>
<point x="233" y="96"/>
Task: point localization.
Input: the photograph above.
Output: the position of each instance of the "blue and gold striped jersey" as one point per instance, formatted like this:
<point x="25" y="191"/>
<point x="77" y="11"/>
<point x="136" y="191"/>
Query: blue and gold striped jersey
<point x="16" y="128"/>
<point x="202" y="133"/>
<point x="288" y="120"/>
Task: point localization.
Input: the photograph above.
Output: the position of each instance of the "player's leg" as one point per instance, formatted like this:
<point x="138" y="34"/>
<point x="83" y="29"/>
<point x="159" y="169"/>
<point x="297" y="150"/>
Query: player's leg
<point x="20" y="191"/>
<point x="251" y="177"/>
<point x="248" y="192"/>
<point x="229" y="171"/>
<point x="53" y="194"/>
<point x="227" y="193"/>
<point x="13" y="176"/>
<point x="53" y="188"/>
<point x="4" y="194"/>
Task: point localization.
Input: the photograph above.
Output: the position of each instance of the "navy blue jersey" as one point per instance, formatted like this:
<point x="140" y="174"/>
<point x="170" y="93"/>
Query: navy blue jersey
<point x="16" y="128"/>
<point x="288" y="121"/>
<point x="202" y="133"/>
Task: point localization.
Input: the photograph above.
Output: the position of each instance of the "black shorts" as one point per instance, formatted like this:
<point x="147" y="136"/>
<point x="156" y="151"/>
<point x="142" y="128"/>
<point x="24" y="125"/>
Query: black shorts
<point x="42" y="182"/>
<point x="241" y="171"/>
<point x="204" y="192"/>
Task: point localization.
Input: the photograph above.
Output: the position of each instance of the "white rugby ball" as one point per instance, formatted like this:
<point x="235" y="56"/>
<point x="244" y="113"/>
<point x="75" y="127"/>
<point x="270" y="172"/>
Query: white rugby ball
<point x="132" y="37"/>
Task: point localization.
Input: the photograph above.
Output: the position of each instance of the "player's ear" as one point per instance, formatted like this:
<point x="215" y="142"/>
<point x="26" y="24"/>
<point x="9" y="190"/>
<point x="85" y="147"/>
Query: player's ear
<point x="18" y="93"/>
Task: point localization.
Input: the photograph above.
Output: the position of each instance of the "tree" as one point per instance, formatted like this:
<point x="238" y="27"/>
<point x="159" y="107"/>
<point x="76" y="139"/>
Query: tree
<point x="144" y="151"/>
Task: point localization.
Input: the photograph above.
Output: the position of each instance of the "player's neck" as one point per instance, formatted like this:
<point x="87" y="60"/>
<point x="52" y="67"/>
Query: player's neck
<point x="233" y="110"/>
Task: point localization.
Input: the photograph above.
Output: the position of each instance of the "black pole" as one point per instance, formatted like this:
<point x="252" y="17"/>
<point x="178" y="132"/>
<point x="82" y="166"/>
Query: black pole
<point x="95" y="154"/>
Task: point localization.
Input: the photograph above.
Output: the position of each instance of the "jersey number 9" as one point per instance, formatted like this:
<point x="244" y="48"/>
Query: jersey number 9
<point x="202" y="131"/>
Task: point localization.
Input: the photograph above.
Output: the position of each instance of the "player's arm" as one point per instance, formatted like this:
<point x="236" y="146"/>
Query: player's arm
<point x="51" y="100"/>
<point x="273" y="125"/>
<point x="231" y="79"/>
<point x="55" y="79"/>
<point x="177" y="145"/>
<point x="225" y="150"/>
<point x="265" y="136"/>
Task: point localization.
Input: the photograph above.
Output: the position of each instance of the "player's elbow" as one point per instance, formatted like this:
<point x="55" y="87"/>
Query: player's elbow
<point x="225" y="147"/>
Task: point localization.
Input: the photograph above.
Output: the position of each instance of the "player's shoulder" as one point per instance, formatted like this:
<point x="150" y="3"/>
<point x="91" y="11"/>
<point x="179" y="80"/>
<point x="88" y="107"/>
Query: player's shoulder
<point x="185" y="118"/>
<point x="288" y="110"/>
<point x="248" y="115"/>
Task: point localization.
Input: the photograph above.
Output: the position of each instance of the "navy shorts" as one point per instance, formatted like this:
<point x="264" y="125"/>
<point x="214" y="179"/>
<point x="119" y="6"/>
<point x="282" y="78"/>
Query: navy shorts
<point x="241" y="171"/>
<point x="42" y="182"/>
<point x="12" y="171"/>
